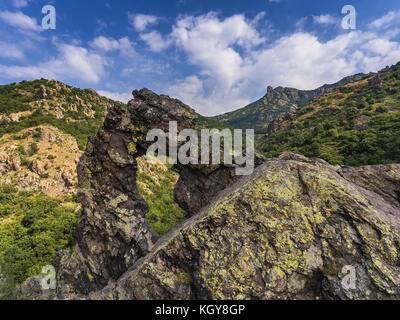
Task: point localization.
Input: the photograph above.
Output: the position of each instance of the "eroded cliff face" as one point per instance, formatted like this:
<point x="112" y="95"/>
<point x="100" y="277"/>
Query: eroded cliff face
<point x="288" y="231"/>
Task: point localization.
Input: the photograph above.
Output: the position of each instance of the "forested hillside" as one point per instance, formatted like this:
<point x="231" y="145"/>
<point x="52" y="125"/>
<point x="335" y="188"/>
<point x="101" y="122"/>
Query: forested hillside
<point x="355" y="124"/>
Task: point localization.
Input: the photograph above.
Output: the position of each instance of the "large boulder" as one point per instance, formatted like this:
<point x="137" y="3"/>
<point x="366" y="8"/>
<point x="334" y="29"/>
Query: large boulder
<point x="298" y="228"/>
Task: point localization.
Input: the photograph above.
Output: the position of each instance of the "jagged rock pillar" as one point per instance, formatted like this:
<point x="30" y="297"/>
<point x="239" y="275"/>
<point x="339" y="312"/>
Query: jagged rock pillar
<point x="112" y="233"/>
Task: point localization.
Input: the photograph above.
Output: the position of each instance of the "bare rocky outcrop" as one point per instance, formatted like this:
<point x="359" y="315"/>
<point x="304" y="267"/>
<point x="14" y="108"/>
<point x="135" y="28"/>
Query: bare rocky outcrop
<point x="68" y="179"/>
<point x="51" y="169"/>
<point x="36" y="167"/>
<point x="291" y="230"/>
<point x="9" y="163"/>
<point x="112" y="233"/>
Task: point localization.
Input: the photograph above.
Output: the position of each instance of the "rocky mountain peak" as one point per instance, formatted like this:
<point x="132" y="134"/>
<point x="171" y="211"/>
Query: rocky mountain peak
<point x="276" y="102"/>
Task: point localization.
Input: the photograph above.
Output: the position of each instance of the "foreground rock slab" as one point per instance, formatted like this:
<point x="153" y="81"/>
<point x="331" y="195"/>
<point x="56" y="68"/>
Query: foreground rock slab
<point x="290" y="231"/>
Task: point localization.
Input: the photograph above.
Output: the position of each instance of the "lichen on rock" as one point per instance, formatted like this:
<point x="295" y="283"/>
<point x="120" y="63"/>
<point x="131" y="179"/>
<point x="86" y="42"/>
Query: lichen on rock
<point x="287" y="232"/>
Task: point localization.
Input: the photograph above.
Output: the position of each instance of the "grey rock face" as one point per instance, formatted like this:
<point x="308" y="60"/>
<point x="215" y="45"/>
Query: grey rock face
<point x="112" y="232"/>
<point x="298" y="228"/>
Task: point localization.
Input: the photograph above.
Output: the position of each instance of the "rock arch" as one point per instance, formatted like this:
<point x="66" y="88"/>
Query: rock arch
<point x="112" y="233"/>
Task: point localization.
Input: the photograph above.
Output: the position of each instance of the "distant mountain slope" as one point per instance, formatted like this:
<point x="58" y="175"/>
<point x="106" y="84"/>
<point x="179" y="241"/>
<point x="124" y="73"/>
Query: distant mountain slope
<point x="277" y="101"/>
<point x="354" y="124"/>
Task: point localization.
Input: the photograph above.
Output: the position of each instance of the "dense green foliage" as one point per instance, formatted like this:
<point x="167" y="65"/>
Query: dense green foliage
<point x="157" y="188"/>
<point x="33" y="227"/>
<point x="80" y="130"/>
<point x="11" y="101"/>
<point x="353" y="125"/>
<point x="210" y="123"/>
<point x="23" y="96"/>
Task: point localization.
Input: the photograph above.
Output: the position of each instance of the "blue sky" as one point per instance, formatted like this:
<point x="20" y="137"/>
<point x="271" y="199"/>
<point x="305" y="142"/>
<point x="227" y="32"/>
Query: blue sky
<point x="215" y="55"/>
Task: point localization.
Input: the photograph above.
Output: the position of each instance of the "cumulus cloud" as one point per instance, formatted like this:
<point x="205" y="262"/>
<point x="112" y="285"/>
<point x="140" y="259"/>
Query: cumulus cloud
<point x="196" y="93"/>
<point x="19" y="20"/>
<point x="73" y="62"/>
<point x="123" y="97"/>
<point x="124" y="45"/>
<point x="141" y="21"/>
<point x="155" y="41"/>
<point x="236" y="63"/>
<point x="209" y="43"/>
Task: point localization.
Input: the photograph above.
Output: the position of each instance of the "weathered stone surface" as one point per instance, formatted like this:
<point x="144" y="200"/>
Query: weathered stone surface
<point x="286" y="232"/>
<point x="33" y="289"/>
<point x="36" y="167"/>
<point x="199" y="184"/>
<point x="68" y="179"/>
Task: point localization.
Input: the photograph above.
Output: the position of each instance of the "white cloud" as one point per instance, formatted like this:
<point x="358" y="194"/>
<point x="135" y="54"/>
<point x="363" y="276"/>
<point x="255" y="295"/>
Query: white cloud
<point x="20" y="3"/>
<point x="325" y="19"/>
<point x="124" y="45"/>
<point x="386" y="21"/>
<point x="155" y="41"/>
<point x="90" y="66"/>
<point x="193" y="91"/>
<point x="123" y="97"/>
<point x="236" y="64"/>
<point x="19" y="20"/>
<point x="8" y="50"/>
<point x="72" y="63"/>
<point x="209" y="43"/>
<point x="105" y="44"/>
<point x="216" y="47"/>
<point x="141" y="21"/>
<point x="301" y="23"/>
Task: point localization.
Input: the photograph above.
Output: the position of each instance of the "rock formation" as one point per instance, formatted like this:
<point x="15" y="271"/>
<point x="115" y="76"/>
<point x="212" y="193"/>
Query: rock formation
<point x="112" y="233"/>
<point x="51" y="169"/>
<point x="291" y="230"/>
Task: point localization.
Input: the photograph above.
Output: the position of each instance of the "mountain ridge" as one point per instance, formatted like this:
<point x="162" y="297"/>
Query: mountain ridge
<point x="354" y="124"/>
<point x="275" y="102"/>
